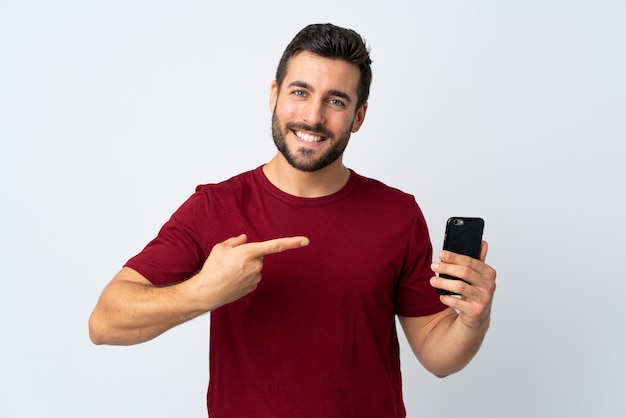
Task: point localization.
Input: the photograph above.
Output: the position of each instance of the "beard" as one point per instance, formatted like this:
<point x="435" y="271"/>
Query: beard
<point x="305" y="159"/>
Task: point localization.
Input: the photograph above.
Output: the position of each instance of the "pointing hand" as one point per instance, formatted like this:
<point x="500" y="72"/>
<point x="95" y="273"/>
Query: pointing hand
<point x="233" y="268"/>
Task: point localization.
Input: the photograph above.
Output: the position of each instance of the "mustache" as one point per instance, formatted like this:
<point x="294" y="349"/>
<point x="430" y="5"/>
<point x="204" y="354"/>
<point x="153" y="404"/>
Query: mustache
<point x="316" y="129"/>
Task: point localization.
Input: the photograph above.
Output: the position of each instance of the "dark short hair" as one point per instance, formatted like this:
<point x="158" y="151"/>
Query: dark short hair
<point x="330" y="41"/>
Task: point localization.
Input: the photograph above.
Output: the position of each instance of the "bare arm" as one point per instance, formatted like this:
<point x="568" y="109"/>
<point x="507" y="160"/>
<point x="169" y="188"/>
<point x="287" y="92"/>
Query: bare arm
<point x="446" y="342"/>
<point x="132" y="310"/>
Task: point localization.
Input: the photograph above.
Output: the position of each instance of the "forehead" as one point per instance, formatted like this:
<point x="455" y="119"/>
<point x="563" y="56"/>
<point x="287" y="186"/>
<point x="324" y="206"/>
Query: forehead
<point x="323" y="74"/>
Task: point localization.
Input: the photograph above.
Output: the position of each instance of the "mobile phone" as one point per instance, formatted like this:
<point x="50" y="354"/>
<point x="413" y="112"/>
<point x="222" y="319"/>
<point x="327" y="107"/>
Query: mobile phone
<point x="462" y="236"/>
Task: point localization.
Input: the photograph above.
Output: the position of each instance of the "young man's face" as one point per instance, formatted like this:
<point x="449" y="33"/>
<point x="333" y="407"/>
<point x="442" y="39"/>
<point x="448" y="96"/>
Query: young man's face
<point x="315" y="111"/>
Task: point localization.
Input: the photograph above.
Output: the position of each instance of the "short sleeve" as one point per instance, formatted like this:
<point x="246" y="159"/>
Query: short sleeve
<point x="177" y="251"/>
<point x="414" y="294"/>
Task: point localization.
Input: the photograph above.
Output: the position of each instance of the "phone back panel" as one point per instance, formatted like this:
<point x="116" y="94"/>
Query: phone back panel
<point x="464" y="236"/>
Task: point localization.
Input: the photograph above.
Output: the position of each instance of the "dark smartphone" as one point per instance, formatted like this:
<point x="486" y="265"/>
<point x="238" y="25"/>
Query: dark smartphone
<point x="463" y="236"/>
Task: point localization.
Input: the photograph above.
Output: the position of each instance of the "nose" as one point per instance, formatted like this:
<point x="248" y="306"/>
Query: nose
<point x="313" y="112"/>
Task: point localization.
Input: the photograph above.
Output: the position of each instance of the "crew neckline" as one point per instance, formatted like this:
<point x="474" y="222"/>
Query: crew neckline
<point x="306" y="201"/>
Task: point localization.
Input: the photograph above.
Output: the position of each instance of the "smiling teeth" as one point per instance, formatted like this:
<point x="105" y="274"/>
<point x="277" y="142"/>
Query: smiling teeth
<point x="309" y="138"/>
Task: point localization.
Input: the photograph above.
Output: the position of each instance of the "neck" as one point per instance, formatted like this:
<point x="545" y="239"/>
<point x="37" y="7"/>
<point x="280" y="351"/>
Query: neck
<point x="299" y="183"/>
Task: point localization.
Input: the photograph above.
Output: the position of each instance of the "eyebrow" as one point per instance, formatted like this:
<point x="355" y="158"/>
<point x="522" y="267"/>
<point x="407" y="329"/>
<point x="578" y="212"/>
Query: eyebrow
<point x="336" y="93"/>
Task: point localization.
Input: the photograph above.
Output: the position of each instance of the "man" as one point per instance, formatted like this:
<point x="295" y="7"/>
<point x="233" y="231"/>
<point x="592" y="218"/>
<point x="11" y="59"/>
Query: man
<point x="304" y="264"/>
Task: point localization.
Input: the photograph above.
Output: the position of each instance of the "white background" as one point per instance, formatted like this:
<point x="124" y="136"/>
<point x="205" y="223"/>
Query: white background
<point x="112" y="112"/>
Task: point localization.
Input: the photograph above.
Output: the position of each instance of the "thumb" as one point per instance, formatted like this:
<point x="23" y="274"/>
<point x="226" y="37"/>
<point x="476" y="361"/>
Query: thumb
<point x="484" y="247"/>
<point x="236" y="241"/>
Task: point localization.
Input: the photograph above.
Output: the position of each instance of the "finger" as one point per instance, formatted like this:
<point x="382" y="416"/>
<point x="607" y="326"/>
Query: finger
<point x="451" y="260"/>
<point x="236" y="241"/>
<point x="473" y="272"/>
<point x="277" y="245"/>
<point x="484" y="247"/>
<point x="464" y="269"/>
<point x="455" y="286"/>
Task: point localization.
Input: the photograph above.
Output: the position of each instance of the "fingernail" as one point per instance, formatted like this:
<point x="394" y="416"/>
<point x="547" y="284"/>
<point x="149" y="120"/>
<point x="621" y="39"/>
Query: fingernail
<point x="304" y="242"/>
<point x="434" y="266"/>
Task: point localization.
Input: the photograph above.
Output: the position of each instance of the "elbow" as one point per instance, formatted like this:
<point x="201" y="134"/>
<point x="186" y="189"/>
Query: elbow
<point x="95" y="339"/>
<point x="443" y="372"/>
<point x="97" y="335"/>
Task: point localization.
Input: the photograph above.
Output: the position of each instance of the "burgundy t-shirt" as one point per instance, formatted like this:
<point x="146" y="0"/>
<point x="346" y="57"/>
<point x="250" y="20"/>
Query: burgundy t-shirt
<point x="317" y="338"/>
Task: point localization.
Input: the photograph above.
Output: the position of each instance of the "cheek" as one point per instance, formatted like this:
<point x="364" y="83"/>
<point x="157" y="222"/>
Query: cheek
<point x="346" y="125"/>
<point x="283" y="109"/>
<point x="290" y="108"/>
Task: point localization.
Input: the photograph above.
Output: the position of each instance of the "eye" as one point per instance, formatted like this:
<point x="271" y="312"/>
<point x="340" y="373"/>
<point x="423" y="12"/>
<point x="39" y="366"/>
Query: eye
<point x="336" y="102"/>
<point x="300" y="93"/>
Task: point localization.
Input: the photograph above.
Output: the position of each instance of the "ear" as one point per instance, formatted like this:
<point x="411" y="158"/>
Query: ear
<point x="273" y="95"/>
<point x="359" y="118"/>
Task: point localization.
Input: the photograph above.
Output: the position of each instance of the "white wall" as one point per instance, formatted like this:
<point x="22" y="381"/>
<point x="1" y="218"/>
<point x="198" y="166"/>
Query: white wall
<point x="111" y="113"/>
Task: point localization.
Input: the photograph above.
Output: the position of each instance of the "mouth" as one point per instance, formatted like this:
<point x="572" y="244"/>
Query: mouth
<point x="308" y="137"/>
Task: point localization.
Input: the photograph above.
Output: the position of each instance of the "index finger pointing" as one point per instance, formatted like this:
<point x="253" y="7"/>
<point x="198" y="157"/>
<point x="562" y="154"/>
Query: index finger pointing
<point x="277" y="245"/>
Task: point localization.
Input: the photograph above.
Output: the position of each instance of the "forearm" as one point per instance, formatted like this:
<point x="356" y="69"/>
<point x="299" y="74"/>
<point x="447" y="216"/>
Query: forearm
<point x="131" y="312"/>
<point x="446" y="342"/>
<point x="450" y="346"/>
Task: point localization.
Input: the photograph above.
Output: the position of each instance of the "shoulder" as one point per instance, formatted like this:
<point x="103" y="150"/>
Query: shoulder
<point x="236" y="187"/>
<point x="383" y="193"/>
<point x="389" y="203"/>
<point x="211" y="196"/>
<point x="237" y="182"/>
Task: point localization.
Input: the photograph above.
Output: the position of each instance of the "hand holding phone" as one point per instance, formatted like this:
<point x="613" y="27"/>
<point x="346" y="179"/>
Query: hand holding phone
<point x="462" y="236"/>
